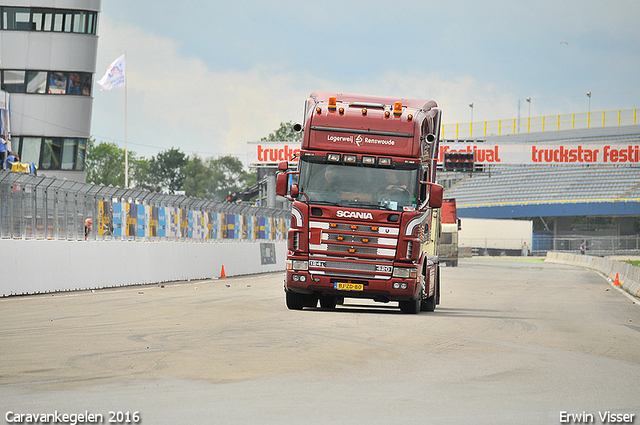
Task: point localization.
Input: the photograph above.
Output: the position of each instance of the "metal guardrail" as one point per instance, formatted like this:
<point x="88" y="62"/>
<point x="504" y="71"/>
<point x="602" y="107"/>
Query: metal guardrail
<point x="33" y="207"/>
<point x="538" y="124"/>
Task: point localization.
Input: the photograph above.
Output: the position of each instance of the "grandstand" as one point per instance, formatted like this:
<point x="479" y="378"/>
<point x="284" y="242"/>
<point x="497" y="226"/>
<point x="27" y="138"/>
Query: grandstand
<point x="562" y="189"/>
<point x="557" y="193"/>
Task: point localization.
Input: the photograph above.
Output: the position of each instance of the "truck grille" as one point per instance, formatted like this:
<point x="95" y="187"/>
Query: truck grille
<point x="362" y="250"/>
<point x="353" y="250"/>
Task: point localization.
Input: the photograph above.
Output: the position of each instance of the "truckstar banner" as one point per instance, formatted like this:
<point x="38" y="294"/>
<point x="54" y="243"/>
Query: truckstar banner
<point x="263" y="153"/>
<point x="543" y="153"/>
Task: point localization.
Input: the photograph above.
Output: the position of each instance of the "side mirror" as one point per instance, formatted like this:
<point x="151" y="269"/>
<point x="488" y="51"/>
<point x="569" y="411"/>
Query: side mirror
<point x="431" y="194"/>
<point x="436" y="195"/>
<point x="281" y="183"/>
<point x="283" y="166"/>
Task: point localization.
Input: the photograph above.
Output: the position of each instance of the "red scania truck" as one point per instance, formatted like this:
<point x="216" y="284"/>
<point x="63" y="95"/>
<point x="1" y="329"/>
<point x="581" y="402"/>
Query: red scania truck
<point x="364" y="202"/>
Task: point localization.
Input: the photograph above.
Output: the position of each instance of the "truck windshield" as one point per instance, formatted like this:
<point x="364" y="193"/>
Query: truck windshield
<point x="363" y="187"/>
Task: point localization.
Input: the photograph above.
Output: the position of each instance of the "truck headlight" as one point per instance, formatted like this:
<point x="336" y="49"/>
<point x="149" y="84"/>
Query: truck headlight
<point x="300" y="265"/>
<point x="404" y="273"/>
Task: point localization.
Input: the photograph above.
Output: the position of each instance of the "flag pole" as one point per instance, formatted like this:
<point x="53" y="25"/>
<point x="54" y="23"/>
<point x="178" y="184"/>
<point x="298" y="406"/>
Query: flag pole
<point x="126" y="150"/>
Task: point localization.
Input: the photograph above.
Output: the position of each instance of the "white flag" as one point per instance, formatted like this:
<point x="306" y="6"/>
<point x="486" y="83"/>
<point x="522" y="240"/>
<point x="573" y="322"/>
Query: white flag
<point x="114" y="77"/>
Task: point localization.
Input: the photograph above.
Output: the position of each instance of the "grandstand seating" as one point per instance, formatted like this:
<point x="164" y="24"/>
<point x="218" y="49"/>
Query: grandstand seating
<point x="547" y="183"/>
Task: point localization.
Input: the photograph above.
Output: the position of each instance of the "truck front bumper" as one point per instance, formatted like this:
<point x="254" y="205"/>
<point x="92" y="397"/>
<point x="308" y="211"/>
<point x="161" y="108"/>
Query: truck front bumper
<point x="393" y="289"/>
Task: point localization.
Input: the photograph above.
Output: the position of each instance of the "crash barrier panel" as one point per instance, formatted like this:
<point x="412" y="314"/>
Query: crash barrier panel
<point x="33" y="266"/>
<point x="628" y="275"/>
<point x="36" y="207"/>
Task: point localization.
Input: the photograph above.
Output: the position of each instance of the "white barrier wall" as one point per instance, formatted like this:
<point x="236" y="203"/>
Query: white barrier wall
<point x="40" y="266"/>
<point x="628" y="275"/>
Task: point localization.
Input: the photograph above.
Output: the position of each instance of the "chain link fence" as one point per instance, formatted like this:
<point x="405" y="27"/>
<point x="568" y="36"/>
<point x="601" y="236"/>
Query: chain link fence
<point x="543" y="243"/>
<point x="594" y="245"/>
<point x="33" y="207"/>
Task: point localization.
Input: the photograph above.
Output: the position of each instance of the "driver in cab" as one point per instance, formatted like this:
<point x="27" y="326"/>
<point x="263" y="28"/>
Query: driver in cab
<point x="394" y="185"/>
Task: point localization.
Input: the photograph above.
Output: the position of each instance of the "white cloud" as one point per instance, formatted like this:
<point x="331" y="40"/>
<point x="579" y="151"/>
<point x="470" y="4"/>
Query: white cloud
<point x="177" y="101"/>
<point x="199" y="105"/>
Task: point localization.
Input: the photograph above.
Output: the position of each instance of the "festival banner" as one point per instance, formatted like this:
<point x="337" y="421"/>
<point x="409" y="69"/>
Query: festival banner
<point x="545" y="153"/>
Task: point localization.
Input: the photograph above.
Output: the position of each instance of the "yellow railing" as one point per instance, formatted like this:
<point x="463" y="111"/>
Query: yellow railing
<point x="538" y="124"/>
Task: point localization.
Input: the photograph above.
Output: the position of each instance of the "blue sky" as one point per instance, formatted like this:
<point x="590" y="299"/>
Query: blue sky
<point x="208" y="77"/>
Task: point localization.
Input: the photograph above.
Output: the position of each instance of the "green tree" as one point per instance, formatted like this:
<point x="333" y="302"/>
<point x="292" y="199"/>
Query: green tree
<point x="228" y="176"/>
<point x="105" y="163"/>
<point x="140" y="175"/>
<point x="166" y="171"/>
<point x="198" y="178"/>
<point x="285" y="133"/>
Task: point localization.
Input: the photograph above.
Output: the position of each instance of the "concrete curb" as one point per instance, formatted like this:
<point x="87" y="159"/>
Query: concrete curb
<point x="628" y="275"/>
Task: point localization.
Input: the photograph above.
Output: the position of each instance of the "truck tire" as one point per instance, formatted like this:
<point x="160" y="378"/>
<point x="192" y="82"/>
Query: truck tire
<point x="311" y="301"/>
<point x="429" y="304"/>
<point x="438" y="286"/>
<point x="328" y="303"/>
<point x="295" y="301"/>
<point x="411" y="306"/>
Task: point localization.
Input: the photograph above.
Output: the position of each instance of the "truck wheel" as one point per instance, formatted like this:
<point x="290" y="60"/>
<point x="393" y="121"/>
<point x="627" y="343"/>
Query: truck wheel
<point x="311" y="301"/>
<point x="429" y="304"/>
<point x="328" y="302"/>
<point x="295" y="301"/>
<point x="438" y="286"/>
<point x="410" y="306"/>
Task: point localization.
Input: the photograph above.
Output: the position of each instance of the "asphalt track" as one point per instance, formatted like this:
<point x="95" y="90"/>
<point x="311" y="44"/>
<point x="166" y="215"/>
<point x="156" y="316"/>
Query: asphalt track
<point x="513" y="342"/>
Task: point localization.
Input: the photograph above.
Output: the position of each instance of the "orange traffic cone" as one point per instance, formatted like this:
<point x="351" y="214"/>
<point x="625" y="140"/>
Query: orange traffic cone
<point x="222" y="273"/>
<point x="617" y="281"/>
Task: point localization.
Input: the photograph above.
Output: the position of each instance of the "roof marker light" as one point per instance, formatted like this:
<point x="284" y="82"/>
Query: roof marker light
<point x="409" y="117"/>
<point x="387" y="114"/>
<point x="364" y="111"/>
<point x="397" y="109"/>
<point x="318" y="110"/>
<point x="341" y="110"/>
<point x="332" y="103"/>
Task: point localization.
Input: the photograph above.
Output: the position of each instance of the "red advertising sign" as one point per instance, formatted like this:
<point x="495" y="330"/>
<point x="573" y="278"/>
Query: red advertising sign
<point x="553" y="153"/>
<point x="260" y="153"/>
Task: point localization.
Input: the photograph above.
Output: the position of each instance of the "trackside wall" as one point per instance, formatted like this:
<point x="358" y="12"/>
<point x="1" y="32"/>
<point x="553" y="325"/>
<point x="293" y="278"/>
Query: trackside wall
<point x="628" y="275"/>
<point x="41" y="266"/>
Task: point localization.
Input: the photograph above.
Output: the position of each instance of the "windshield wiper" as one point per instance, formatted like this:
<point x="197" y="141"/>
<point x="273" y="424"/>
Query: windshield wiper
<point x="315" y="201"/>
<point x="361" y="204"/>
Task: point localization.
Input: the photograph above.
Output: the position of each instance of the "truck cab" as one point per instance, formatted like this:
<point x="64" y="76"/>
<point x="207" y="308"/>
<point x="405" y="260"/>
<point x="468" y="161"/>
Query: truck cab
<point x="363" y="203"/>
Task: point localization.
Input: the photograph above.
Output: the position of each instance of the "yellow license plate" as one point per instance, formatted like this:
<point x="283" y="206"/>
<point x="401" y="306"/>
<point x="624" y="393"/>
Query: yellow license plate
<point x="344" y="286"/>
